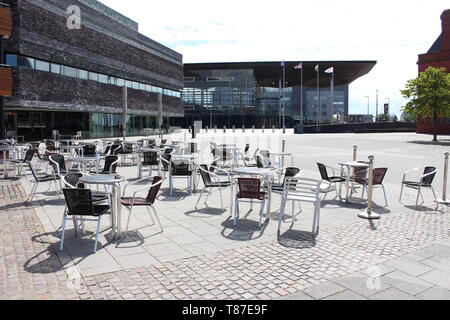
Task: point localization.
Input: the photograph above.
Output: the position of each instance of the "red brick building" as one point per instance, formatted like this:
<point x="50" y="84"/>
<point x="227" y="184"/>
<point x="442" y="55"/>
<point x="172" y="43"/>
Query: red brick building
<point x="437" y="56"/>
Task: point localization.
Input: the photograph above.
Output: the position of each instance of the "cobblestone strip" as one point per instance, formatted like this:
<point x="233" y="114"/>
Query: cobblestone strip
<point x="31" y="269"/>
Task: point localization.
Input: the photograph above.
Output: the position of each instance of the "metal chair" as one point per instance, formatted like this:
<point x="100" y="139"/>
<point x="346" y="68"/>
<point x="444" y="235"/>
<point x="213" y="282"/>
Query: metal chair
<point x="89" y="150"/>
<point x="58" y="164"/>
<point x="249" y="188"/>
<point x="126" y="151"/>
<point x="207" y="177"/>
<point x="377" y="181"/>
<point x="180" y="168"/>
<point x="301" y="190"/>
<point x="334" y="179"/>
<point x="288" y="173"/>
<point x="28" y="157"/>
<point x="38" y="179"/>
<point x="147" y="202"/>
<point x="150" y="159"/>
<point x="80" y="205"/>
<point x="426" y="180"/>
<point x="109" y="167"/>
<point x="263" y="159"/>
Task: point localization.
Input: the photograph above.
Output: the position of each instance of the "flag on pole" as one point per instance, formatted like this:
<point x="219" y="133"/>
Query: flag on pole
<point x="299" y="66"/>
<point x="329" y="70"/>
<point x="317" y="68"/>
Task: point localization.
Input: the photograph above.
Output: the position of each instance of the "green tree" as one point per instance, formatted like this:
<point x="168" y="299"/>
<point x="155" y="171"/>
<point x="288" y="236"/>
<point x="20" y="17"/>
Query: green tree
<point x="407" y="117"/>
<point x="429" y="95"/>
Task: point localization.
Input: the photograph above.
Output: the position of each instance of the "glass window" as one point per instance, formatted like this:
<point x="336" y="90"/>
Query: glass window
<point x="55" y="68"/>
<point x="26" y="63"/>
<point x="129" y="84"/>
<point x="103" y="78"/>
<point x="111" y="80"/>
<point x="93" y="76"/>
<point x="83" y="74"/>
<point x="142" y="86"/>
<point x="42" y="66"/>
<point x="70" y="72"/>
<point x="120" y="82"/>
<point x="11" y="60"/>
<point x="135" y="85"/>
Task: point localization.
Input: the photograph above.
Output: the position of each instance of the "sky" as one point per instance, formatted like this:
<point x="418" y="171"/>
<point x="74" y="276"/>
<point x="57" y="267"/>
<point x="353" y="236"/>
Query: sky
<point x="392" y="32"/>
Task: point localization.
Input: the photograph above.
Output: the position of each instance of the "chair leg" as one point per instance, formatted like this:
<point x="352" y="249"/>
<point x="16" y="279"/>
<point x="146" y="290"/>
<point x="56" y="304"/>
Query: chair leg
<point x="170" y="185"/>
<point x="63" y="232"/>
<point x="97" y="232"/>
<point x="417" y="199"/>
<point x="326" y="192"/>
<point x="128" y="220"/>
<point x="221" y="200"/>
<point x="199" y="198"/>
<point x="283" y="207"/>
<point x="261" y="213"/>
<point x="236" y="210"/>
<point x="150" y="214"/>
<point x="157" y="218"/>
<point x="401" y="192"/>
<point x="385" y="198"/>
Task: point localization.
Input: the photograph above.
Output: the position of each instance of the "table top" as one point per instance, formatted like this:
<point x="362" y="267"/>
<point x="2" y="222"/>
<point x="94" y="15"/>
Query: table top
<point x="101" y="179"/>
<point x="354" y="164"/>
<point x="252" y="170"/>
<point x="280" y="153"/>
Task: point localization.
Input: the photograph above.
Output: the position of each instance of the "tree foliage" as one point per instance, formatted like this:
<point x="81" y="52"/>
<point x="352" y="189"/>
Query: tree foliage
<point x="428" y="94"/>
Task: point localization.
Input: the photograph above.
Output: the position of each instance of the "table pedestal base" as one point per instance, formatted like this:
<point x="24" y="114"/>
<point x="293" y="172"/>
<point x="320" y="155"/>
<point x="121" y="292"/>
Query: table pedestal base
<point x="369" y="216"/>
<point x="442" y="201"/>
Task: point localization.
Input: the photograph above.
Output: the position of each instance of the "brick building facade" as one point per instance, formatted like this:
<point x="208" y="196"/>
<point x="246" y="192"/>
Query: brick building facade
<point x="71" y="79"/>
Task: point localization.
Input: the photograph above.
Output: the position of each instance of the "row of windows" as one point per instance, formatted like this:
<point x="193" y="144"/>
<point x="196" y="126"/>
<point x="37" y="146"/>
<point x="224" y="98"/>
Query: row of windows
<point x="192" y="79"/>
<point x="40" y="65"/>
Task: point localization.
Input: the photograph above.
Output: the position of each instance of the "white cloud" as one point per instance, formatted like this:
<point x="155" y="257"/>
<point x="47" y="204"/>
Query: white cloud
<point x="393" y="32"/>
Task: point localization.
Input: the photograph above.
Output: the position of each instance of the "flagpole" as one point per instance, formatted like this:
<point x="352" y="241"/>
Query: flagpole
<point x="318" y="96"/>
<point x="332" y="96"/>
<point x="301" y="96"/>
<point x="282" y="101"/>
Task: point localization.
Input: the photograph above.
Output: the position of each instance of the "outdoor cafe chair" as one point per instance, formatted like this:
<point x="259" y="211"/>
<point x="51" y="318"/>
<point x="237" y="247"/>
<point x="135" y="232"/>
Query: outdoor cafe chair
<point x="28" y="157"/>
<point x="127" y="151"/>
<point x="330" y="180"/>
<point x="89" y="150"/>
<point x="263" y="159"/>
<point x="287" y="173"/>
<point x="249" y="189"/>
<point x="212" y="181"/>
<point x="71" y="180"/>
<point x="79" y="206"/>
<point x="181" y="168"/>
<point x="166" y="158"/>
<point x="58" y="164"/>
<point x="109" y="167"/>
<point x="147" y="202"/>
<point x="377" y="181"/>
<point x="298" y="189"/>
<point x="150" y="160"/>
<point x="425" y="181"/>
<point x="38" y="179"/>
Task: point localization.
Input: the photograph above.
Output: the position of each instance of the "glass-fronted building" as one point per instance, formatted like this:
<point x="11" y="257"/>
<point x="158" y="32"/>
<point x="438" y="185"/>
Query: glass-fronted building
<point x="72" y="79"/>
<point x="237" y="94"/>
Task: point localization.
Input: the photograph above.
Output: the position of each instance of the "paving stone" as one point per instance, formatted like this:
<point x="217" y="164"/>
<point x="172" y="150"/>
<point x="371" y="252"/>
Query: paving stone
<point x="323" y="290"/>
<point x="300" y="295"/>
<point x="346" y="295"/>
<point x="434" y="293"/>
<point x="361" y="284"/>
<point x="405" y="282"/>
<point x="392" y="294"/>
<point x="408" y="266"/>
<point x="438" y="278"/>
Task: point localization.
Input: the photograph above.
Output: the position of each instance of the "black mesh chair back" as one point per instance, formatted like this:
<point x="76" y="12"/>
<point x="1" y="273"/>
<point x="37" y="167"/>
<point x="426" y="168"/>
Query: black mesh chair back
<point x="50" y="145"/>
<point x="181" y="168"/>
<point x="378" y="175"/>
<point x="89" y="150"/>
<point x="150" y="158"/>
<point x="206" y="177"/>
<point x="107" y="149"/>
<point x="249" y="188"/>
<point x="127" y="148"/>
<point x="152" y="143"/>
<point x="72" y="179"/>
<point x="35" y="144"/>
<point x="323" y="171"/>
<point x="428" y="180"/>
<point x="115" y="149"/>
<point x="29" y="155"/>
<point x="168" y="150"/>
<point x="168" y="158"/>
<point x="109" y="166"/>
<point x="59" y="159"/>
<point x="79" y="202"/>
<point x="291" y="172"/>
<point x="153" y="192"/>
<point x="259" y="162"/>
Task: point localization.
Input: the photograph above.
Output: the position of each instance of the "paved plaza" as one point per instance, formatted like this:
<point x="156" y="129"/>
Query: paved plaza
<point x="200" y="254"/>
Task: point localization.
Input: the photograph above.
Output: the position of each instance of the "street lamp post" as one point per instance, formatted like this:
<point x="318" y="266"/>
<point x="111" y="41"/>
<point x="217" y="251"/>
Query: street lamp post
<point x="368" y="104"/>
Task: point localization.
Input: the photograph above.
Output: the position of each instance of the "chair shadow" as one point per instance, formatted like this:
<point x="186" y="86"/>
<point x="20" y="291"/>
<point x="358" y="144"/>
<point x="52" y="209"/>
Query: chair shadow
<point x="165" y="196"/>
<point x="441" y="142"/>
<point x="244" y="229"/>
<point x="207" y="211"/>
<point x="297" y="239"/>
<point x="423" y="208"/>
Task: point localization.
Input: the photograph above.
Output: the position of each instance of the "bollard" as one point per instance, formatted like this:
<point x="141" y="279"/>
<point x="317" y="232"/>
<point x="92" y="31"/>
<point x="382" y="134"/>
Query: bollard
<point x="444" y="188"/>
<point x="234" y="129"/>
<point x="355" y="150"/>
<point x="368" y="214"/>
<point x="243" y="129"/>
<point x="215" y="129"/>
<point x="263" y="127"/>
<point x="224" y="129"/>
<point x="273" y="129"/>
<point x="206" y="129"/>
<point x="253" y="129"/>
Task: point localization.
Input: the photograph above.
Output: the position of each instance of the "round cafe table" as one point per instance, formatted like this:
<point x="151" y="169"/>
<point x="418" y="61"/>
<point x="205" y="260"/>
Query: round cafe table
<point x="71" y="149"/>
<point x="350" y="165"/>
<point x="83" y="161"/>
<point x="116" y="207"/>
